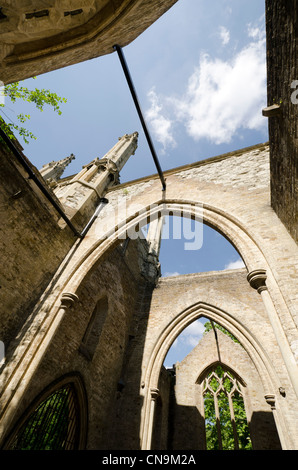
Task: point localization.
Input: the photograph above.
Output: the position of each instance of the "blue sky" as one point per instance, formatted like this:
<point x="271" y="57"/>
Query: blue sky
<point x="200" y="76"/>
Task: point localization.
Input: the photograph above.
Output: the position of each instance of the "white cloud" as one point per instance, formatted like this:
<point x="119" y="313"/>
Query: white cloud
<point x="191" y="335"/>
<point x="224" y="35"/>
<point x="255" y="32"/>
<point x="225" y="96"/>
<point x="221" y="98"/>
<point x="235" y="264"/>
<point x="170" y="274"/>
<point x="161" y="125"/>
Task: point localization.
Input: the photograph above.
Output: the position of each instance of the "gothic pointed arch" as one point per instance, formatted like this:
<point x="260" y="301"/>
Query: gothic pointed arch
<point x="104" y="235"/>
<point x="167" y="336"/>
<point x="225" y="418"/>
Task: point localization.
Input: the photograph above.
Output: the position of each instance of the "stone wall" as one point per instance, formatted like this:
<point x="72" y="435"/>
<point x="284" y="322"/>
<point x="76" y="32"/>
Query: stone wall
<point x="124" y="379"/>
<point x="118" y="278"/>
<point x="147" y="318"/>
<point x="282" y="68"/>
<point x="227" y="291"/>
<point x="33" y="241"/>
<point x="243" y="172"/>
<point x="189" y="427"/>
<point x="162" y="421"/>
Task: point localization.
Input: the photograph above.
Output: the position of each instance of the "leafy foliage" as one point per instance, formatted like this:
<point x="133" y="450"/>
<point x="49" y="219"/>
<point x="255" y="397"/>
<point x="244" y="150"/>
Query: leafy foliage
<point x="40" y="98"/>
<point x="223" y="427"/>
<point x="208" y="327"/>
<point x="225" y="424"/>
<point x="47" y="427"/>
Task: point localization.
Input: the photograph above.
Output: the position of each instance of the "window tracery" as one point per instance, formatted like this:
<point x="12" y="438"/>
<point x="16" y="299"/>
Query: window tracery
<point x="226" y="423"/>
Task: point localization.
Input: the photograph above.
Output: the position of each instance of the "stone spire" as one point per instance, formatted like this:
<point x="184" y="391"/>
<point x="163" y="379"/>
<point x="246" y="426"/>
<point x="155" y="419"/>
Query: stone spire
<point x="54" y="170"/>
<point x="112" y="163"/>
<point x="80" y="194"/>
<point x="120" y="153"/>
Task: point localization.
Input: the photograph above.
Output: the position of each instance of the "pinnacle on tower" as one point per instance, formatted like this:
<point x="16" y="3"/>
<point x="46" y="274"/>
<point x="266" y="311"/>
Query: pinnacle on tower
<point x="80" y="194"/>
<point x="54" y="170"/>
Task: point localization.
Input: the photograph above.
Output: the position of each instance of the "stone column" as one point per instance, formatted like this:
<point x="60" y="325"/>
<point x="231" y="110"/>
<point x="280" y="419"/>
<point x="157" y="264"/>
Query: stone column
<point x="154" y="394"/>
<point x="154" y="236"/>
<point x="125" y="147"/>
<point x="151" y="267"/>
<point x="280" y="425"/>
<point x="257" y="280"/>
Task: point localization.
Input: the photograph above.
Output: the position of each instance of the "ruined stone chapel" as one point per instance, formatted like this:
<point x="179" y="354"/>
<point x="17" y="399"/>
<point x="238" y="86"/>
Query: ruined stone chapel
<point x="86" y="319"/>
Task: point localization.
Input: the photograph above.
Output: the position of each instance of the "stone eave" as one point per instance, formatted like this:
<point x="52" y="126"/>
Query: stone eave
<point x="116" y="23"/>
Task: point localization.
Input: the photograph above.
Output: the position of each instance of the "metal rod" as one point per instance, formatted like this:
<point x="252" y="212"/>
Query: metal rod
<point x="102" y="203"/>
<point x="33" y="176"/>
<point x="136" y="101"/>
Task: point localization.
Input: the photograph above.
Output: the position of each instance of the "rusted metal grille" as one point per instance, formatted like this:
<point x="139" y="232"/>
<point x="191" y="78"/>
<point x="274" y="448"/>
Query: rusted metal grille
<point x="54" y="424"/>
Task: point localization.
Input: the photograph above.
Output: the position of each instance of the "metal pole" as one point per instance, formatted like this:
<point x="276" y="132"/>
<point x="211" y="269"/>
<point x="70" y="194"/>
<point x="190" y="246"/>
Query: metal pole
<point x="136" y="102"/>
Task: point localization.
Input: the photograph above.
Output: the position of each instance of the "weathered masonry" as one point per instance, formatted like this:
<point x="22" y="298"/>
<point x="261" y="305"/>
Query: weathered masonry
<point x="35" y="39"/>
<point x="87" y="319"/>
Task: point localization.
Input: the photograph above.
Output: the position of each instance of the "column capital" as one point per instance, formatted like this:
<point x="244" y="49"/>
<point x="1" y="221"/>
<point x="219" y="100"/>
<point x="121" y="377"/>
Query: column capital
<point x="270" y="399"/>
<point x="68" y="299"/>
<point x="257" y="279"/>
<point x="154" y="393"/>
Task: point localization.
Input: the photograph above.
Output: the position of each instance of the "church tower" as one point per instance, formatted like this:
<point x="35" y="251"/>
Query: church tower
<point x="81" y="194"/>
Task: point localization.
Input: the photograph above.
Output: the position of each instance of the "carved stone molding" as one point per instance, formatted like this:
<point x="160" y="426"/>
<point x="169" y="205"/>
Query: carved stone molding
<point x="154" y="394"/>
<point x="68" y="299"/>
<point x="107" y="164"/>
<point x="257" y="279"/>
<point x="270" y="399"/>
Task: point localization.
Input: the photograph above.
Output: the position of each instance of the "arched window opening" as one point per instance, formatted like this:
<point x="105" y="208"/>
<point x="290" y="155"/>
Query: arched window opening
<point x="185" y="342"/>
<point x="226" y="424"/>
<point x="190" y="246"/>
<point x="94" y="329"/>
<point x="53" y="425"/>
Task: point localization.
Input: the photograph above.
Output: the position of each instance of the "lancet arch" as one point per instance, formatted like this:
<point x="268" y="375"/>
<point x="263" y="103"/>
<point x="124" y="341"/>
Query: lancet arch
<point x="231" y="228"/>
<point x="55" y="420"/>
<point x="251" y="344"/>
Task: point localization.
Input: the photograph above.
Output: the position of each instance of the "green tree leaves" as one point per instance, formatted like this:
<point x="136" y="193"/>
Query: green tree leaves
<point x="208" y="326"/>
<point x="40" y="98"/>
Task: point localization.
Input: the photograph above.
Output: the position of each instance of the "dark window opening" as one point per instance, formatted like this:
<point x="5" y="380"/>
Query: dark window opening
<point x="2" y="16"/>
<point x="37" y="14"/>
<point x="94" y="329"/>
<point x="73" y="12"/>
<point x="53" y="425"/>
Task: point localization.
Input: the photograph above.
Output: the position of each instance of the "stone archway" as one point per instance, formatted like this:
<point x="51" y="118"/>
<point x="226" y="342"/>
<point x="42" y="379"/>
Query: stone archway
<point x="89" y="252"/>
<point x="253" y="347"/>
<point x="260" y="275"/>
